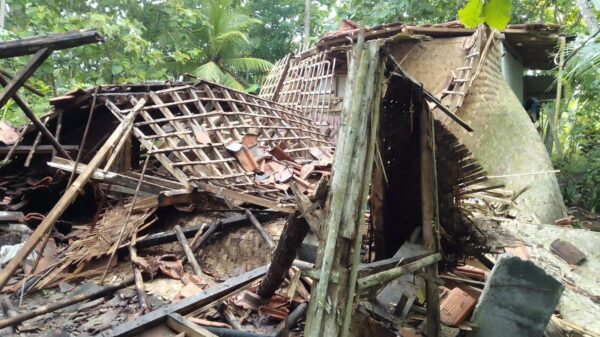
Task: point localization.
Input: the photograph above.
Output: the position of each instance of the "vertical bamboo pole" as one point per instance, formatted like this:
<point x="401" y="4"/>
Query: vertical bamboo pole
<point x="429" y="217"/>
<point x="332" y="300"/>
<point x="557" y="112"/>
<point x="373" y="123"/>
<point x="336" y="198"/>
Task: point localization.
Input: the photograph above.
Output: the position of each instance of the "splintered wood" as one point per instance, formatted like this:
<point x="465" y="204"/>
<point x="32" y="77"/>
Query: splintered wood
<point x="230" y="143"/>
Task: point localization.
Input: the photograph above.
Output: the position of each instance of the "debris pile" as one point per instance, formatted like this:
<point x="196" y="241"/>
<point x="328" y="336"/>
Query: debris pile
<point x="192" y="209"/>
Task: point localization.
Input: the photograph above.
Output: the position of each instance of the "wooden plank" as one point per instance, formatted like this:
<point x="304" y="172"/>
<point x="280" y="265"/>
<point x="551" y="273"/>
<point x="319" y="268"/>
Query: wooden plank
<point x="68" y="197"/>
<point x="220" y="191"/>
<point x="57" y="41"/>
<point x="187" y="305"/>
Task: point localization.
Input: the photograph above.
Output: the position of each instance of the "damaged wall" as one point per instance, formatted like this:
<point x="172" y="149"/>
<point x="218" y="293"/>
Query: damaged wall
<point x="504" y="141"/>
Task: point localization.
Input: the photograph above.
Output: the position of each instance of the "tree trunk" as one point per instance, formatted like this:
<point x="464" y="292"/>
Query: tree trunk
<point x="293" y="234"/>
<point x="588" y="16"/>
<point x="306" y="24"/>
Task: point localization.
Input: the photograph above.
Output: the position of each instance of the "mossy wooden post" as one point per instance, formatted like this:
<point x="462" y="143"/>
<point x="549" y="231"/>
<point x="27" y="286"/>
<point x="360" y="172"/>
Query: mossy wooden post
<point x="429" y="217"/>
<point x="332" y="298"/>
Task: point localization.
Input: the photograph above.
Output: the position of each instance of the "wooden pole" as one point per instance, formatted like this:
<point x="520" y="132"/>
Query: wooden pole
<point x="260" y="229"/>
<point x="68" y="197"/>
<point x="291" y="238"/>
<point x="188" y="251"/>
<point x="429" y="217"/>
<point x="70" y="301"/>
<point x="306" y="37"/>
<point x="129" y="212"/>
<point x="137" y="274"/>
<point x="373" y="124"/>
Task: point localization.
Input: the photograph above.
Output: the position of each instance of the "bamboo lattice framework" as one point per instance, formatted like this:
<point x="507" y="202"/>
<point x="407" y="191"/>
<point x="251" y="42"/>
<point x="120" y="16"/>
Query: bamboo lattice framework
<point x="206" y="134"/>
<point x="305" y="84"/>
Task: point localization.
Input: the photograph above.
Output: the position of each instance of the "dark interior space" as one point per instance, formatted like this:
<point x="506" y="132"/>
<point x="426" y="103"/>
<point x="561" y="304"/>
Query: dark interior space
<point x="399" y="146"/>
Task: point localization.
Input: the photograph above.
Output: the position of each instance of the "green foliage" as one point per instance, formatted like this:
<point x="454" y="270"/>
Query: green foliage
<point x="144" y="41"/>
<point x="495" y="13"/>
<point x="580" y="132"/>
<point x="283" y="23"/>
<point x="373" y="12"/>
<point x="226" y="46"/>
<point x="471" y="14"/>
<point x="580" y="180"/>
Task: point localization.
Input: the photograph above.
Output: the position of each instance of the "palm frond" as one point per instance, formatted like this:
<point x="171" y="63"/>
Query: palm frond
<point x="585" y="64"/>
<point x="210" y="72"/>
<point x="241" y="22"/>
<point x="250" y="64"/>
<point x="231" y="44"/>
<point x="231" y="82"/>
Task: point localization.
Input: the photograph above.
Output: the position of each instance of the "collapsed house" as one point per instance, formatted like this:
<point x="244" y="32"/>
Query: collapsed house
<point x="334" y="203"/>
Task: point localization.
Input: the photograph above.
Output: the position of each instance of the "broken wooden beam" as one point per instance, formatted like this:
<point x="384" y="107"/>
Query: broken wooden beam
<point x="287" y="248"/>
<point x="383" y="277"/>
<point x="69" y="301"/>
<point x="10" y="76"/>
<point x="10" y="89"/>
<point x="57" y="41"/>
<point x="139" y="281"/>
<point x="110" y="177"/>
<point x="68" y="197"/>
<point x="266" y="236"/>
<point x="188" y="304"/>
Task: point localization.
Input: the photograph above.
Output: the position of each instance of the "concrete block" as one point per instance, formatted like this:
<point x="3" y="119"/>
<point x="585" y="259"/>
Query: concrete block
<point x="518" y="300"/>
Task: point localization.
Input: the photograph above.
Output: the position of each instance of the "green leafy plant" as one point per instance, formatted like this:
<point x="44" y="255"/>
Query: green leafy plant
<point x="495" y="13"/>
<point x="226" y="45"/>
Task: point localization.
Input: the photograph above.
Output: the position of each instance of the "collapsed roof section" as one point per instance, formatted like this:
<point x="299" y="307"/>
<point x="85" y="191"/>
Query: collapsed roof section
<point x="214" y="138"/>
